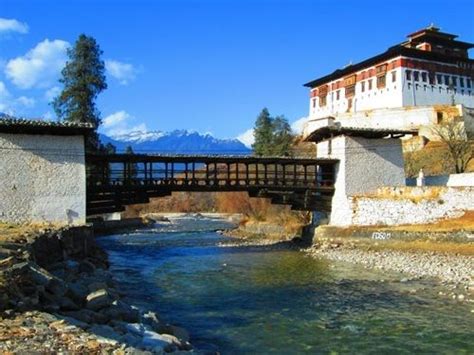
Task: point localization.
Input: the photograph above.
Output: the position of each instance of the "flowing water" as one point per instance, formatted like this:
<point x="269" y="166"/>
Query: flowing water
<point x="258" y="300"/>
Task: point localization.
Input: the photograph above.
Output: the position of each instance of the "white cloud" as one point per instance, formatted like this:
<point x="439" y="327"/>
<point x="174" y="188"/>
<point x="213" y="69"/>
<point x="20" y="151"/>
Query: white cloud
<point x="298" y="125"/>
<point x="12" y="105"/>
<point x="52" y="93"/>
<point x="40" y="67"/>
<point x="12" y="25"/>
<point x="247" y="138"/>
<point x="25" y="101"/>
<point x="5" y="98"/>
<point x="120" y="123"/>
<point x="123" y="72"/>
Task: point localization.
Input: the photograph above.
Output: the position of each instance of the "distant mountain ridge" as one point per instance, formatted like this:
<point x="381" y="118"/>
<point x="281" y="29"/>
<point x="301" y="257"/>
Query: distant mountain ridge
<point x="176" y="142"/>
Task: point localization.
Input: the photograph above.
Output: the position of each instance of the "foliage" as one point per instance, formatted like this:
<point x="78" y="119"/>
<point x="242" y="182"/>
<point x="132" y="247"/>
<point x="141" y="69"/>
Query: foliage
<point x="83" y="78"/>
<point x="273" y="135"/>
<point x="282" y="136"/>
<point x="109" y="148"/>
<point x="453" y="134"/>
<point x="263" y="133"/>
<point x="433" y="159"/>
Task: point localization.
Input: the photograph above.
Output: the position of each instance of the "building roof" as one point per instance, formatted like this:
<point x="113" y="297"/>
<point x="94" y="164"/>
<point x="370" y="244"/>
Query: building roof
<point x="395" y="51"/>
<point x="327" y="132"/>
<point x="10" y="124"/>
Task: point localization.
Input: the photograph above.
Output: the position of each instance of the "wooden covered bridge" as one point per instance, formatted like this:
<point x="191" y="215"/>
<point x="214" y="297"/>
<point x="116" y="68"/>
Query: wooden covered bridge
<point x="114" y="181"/>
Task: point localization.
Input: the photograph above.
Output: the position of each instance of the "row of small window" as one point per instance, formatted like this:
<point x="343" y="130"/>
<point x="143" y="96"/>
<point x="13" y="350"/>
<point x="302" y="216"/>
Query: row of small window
<point x="381" y="82"/>
<point x="448" y="90"/>
<point x="440" y="78"/>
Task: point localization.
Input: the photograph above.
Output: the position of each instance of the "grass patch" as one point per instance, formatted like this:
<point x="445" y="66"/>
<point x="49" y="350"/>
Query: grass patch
<point x="10" y="232"/>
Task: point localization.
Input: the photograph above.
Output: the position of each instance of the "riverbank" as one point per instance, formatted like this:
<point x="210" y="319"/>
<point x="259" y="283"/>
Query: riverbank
<point x="56" y="295"/>
<point x="444" y="252"/>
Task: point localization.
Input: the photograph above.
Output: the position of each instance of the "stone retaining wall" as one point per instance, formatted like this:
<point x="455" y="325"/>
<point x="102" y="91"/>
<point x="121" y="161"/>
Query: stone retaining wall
<point x="416" y="205"/>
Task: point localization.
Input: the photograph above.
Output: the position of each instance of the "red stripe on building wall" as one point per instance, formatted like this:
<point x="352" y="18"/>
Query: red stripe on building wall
<point x="406" y="63"/>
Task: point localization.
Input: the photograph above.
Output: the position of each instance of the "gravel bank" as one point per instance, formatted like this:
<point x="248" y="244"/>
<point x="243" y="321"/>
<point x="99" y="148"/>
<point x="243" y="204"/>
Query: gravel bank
<point x="448" y="268"/>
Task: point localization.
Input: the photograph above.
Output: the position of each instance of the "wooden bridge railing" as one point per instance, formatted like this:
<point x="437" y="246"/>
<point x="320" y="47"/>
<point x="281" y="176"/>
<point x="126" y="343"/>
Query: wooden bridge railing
<point x="114" y="181"/>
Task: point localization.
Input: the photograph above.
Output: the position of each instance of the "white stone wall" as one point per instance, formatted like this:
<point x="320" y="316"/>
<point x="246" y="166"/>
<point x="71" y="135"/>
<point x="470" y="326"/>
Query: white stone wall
<point x="42" y="179"/>
<point x="448" y="202"/>
<point x="466" y="179"/>
<point x="364" y="166"/>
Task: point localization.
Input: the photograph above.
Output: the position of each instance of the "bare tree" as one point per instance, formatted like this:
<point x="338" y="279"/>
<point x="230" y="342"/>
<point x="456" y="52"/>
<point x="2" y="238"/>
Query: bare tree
<point x="453" y="134"/>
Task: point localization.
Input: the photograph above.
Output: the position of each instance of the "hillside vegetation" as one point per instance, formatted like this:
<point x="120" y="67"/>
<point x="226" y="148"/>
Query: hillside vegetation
<point x="434" y="159"/>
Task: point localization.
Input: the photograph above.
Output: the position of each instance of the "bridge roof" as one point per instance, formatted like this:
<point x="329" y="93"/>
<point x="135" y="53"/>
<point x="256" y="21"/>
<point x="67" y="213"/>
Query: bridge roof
<point x="328" y="132"/>
<point x="10" y="124"/>
<point x="218" y="159"/>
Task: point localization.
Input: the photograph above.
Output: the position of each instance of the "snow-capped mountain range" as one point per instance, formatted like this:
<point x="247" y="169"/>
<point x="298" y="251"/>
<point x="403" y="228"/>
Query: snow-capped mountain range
<point x="175" y="142"/>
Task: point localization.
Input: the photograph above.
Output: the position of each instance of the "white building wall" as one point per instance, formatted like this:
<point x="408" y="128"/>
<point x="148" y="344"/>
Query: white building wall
<point x="364" y="166"/>
<point x="419" y="93"/>
<point x="42" y="179"/>
<point x="398" y="93"/>
<point x="421" y="118"/>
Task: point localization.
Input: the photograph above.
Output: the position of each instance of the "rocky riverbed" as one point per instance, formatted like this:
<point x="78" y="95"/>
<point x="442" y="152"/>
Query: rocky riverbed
<point x="453" y="270"/>
<point x="56" y="295"/>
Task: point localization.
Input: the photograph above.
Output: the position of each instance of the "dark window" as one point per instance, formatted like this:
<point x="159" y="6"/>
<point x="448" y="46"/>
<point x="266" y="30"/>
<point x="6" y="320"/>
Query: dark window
<point x="446" y="80"/>
<point x="350" y="91"/>
<point x="461" y="82"/>
<point x="314" y="103"/>
<point x="408" y="74"/>
<point x="468" y="83"/>
<point x="439" y="78"/>
<point x="381" y="82"/>
<point x="431" y="77"/>
<point x="423" y="77"/>
<point x="439" y="117"/>
<point x="394" y="76"/>
<point x="370" y="84"/>
<point x="338" y="93"/>
<point x="362" y="86"/>
<point x="416" y="76"/>
<point x="454" y="80"/>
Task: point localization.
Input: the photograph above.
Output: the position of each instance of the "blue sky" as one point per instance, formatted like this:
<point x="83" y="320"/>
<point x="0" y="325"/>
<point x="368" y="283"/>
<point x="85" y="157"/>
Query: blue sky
<point x="205" y="65"/>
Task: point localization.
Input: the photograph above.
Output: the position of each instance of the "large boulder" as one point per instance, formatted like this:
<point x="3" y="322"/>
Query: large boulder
<point x="119" y="310"/>
<point x="99" y="299"/>
<point x="78" y="292"/>
<point x="178" y="332"/>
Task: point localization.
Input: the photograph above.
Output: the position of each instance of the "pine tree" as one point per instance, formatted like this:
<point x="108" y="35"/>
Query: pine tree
<point x="282" y="137"/>
<point x="263" y="133"/>
<point x="83" y="78"/>
<point x="273" y="136"/>
<point x="109" y="148"/>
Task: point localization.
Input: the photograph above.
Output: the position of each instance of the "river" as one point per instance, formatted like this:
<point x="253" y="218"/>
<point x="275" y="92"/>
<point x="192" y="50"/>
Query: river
<point x="258" y="300"/>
